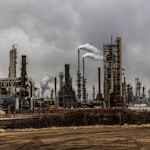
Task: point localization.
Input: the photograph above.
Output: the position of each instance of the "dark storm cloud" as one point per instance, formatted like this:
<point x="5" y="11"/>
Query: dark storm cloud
<point x="49" y="32"/>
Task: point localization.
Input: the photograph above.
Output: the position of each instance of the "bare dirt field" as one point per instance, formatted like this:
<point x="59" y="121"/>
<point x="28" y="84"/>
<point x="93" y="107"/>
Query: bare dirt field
<point x="125" y="137"/>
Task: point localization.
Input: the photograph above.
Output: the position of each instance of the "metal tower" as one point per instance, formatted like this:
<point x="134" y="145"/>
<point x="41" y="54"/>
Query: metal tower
<point x="23" y="71"/>
<point x="13" y="62"/>
<point x="113" y="69"/>
<point x="67" y="97"/>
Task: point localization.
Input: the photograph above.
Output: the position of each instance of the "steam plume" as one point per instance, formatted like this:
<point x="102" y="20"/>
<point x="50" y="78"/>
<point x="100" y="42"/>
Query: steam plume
<point x="89" y="48"/>
<point x="93" y="56"/>
<point x="44" y="82"/>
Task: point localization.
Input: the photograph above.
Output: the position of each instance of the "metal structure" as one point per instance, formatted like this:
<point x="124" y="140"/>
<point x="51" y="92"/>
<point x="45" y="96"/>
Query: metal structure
<point x="55" y="83"/>
<point x="138" y="84"/>
<point x="139" y="95"/>
<point x="78" y="78"/>
<point x="99" y="95"/>
<point x="12" y="66"/>
<point x="93" y="92"/>
<point x="23" y="72"/>
<point x="112" y="70"/>
<point x="84" y="83"/>
<point x="67" y="97"/>
<point x="129" y="94"/>
<point x="13" y="62"/>
<point x="19" y="89"/>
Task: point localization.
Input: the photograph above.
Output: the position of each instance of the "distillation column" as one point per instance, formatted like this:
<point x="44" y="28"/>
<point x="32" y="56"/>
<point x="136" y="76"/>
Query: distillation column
<point x="23" y="71"/>
<point x="113" y="71"/>
<point x="13" y="62"/>
<point x="119" y="51"/>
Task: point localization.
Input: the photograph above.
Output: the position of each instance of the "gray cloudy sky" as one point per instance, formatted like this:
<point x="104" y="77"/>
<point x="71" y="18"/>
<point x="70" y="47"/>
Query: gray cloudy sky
<point x="49" y="32"/>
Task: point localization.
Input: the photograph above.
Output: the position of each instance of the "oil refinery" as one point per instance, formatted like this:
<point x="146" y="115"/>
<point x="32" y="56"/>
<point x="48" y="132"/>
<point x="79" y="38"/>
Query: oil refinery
<point x="17" y="94"/>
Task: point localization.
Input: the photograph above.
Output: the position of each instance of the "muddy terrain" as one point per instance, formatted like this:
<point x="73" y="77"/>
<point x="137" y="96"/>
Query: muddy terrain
<point x="123" y="137"/>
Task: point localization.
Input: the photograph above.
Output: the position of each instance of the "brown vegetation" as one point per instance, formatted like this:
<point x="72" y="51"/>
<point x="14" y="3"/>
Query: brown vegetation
<point x="82" y="117"/>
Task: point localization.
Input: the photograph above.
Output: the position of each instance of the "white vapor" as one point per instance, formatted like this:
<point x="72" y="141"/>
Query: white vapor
<point x="44" y="82"/>
<point x="93" y="56"/>
<point x="89" y="48"/>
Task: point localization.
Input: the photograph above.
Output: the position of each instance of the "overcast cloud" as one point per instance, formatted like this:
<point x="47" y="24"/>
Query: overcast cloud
<point x="49" y="32"/>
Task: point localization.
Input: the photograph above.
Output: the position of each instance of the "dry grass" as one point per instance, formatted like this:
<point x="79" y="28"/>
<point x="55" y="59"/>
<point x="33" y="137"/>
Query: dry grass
<point x="75" y="127"/>
<point x="2" y="130"/>
<point x="113" y="137"/>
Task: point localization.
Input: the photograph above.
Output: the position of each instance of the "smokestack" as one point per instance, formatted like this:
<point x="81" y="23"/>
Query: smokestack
<point x="55" y="86"/>
<point x="143" y="92"/>
<point x="83" y="85"/>
<point x="52" y="94"/>
<point x="99" y="82"/>
<point x="67" y="74"/>
<point x="23" y="70"/>
<point x="83" y="67"/>
<point x="93" y="92"/>
<point x="79" y="78"/>
<point x="119" y="44"/>
<point x="12" y="63"/>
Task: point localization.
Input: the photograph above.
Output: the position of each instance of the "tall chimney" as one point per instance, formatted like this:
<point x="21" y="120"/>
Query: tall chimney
<point x="83" y="85"/>
<point x="99" y="82"/>
<point x="78" y="78"/>
<point x="12" y="63"/>
<point x="67" y="74"/>
<point x="119" y="44"/>
<point x="93" y="92"/>
<point x="55" y="86"/>
<point x="23" y="70"/>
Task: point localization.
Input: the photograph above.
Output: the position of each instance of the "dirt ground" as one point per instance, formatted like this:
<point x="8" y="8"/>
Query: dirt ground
<point x="123" y="137"/>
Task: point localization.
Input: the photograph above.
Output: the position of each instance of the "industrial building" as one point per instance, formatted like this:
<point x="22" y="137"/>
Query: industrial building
<point x="67" y="96"/>
<point x="16" y="92"/>
<point x="112" y="57"/>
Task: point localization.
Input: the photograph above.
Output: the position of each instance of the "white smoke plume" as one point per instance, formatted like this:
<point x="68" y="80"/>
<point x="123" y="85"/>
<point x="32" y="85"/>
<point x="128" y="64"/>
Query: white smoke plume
<point x="93" y="56"/>
<point x="44" y="82"/>
<point x="89" y="48"/>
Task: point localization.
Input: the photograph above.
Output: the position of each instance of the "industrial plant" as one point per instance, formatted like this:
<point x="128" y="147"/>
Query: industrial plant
<point x="17" y="94"/>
